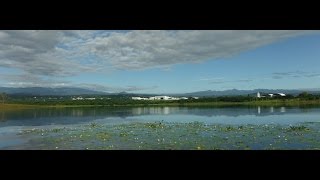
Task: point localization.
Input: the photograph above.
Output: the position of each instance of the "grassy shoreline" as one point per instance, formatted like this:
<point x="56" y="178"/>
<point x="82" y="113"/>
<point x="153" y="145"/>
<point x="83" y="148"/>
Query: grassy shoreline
<point x="10" y="106"/>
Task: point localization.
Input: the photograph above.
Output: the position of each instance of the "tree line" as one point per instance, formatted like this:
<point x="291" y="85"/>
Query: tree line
<point x="3" y="97"/>
<point x="126" y="100"/>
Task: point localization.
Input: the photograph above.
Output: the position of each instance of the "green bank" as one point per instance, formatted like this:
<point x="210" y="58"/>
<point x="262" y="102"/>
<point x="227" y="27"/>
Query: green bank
<point x="24" y="105"/>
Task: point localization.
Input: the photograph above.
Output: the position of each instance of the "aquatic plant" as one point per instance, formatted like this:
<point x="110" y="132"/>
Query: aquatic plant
<point x="103" y="136"/>
<point x="160" y="135"/>
<point x="298" y="128"/>
<point x="94" y="125"/>
<point x="196" y="124"/>
<point x="124" y="134"/>
<point x="155" y="125"/>
<point x="56" y="130"/>
<point x="228" y="128"/>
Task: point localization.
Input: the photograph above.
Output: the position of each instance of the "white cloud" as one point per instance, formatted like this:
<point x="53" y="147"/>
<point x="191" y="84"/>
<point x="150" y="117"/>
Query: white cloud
<point x="105" y="88"/>
<point x="295" y="74"/>
<point x="57" y="54"/>
<point x="221" y="81"/>
<point x="29" y="80"/>
<point x="149" y="49"/>
<point x="210" y="79"/>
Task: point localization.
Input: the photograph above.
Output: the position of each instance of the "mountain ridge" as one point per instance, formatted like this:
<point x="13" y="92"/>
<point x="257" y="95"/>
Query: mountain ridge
<point x="236" y="92"/>
<point x="68" y="91"/>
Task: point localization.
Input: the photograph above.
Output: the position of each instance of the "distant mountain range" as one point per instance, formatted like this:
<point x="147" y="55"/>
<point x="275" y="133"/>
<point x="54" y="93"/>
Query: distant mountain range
<point x="69" y="91"/>
<point x="236" y="92"/>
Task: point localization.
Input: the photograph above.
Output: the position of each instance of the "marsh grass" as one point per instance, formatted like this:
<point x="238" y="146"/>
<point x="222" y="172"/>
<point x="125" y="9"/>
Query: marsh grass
<point x="230" y="128"/>
<point x="94" y="125"/>
<point x="298" y="128"/>
<point x="103" y="136"/>
<point x="209" y="103"/>
<point x="194" y="135"/>
<point x="155" y="125"/>
<point x="57" y="130"/>
<point x="15" y="107"/>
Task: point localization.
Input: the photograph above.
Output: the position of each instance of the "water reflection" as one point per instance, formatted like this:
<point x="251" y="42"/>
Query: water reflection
<point x="155" y="110"/>
<point x="78" y="112"/>
<point x="270" y="110"/>
<point x="77" y="115"/>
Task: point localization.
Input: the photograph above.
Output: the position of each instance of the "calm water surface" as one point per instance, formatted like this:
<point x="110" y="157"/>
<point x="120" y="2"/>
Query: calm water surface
<point x="226" y="115"/>
<point x="12" y="122"/>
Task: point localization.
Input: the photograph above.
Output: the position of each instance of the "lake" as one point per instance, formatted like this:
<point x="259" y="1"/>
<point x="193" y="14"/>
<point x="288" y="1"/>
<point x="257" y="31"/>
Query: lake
<point x="13" y="122"/>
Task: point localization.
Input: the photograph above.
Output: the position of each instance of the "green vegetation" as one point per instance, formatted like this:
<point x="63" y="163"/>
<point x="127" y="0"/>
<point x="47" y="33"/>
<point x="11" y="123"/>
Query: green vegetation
<point x="125" y="100"/>
<point x="307" y="96"/>
<point x="94" y="125"/>
<point x="3" y="97"/>
<point x="275" y="103"/>
<point x="163" y="135"/>
<point x="13" y="107"/>
<point x="298" y="128"/>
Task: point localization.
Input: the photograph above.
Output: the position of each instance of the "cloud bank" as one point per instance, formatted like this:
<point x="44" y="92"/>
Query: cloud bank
<point x="57" y="54"/>
<point x="294" y="74"/>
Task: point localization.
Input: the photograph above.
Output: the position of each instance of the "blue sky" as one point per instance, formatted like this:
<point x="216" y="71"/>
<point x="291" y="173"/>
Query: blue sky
<point x="160" y="61"/>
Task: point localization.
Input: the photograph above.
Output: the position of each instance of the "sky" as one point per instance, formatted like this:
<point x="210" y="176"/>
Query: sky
<point x="160" y="61"/>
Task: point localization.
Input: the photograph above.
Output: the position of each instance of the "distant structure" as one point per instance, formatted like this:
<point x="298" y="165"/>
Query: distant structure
<point x="90" y="98"/>
<point x="78" y="98"/>
<point x="166" y="98"/>
<point x="282" y="94"/>
<point x="139" y="98"/>
<point x="81" y="98"/>
<point x="259" y="95"/>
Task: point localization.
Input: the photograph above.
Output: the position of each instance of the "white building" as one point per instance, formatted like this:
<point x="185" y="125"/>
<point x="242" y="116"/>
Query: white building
<point x="270" y="95"/>
<point x="163" y="98"/>
<point x="259" y="95"/>
<point x="158" y="98"/>
<point x="78" y="98"/>
<point x="281" y="94"/>
<point x="139" y="98"/>
<point x="277" y="94"/>
<point x="90" y="98"/>
<point x="184" y="98"/>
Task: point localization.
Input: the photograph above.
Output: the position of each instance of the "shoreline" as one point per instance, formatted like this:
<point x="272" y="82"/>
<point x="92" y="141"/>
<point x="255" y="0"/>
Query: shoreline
<point x="9" y="106"/>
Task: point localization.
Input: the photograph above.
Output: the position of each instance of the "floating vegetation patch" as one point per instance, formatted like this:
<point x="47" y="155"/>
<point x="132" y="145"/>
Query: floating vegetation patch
<point x="124" y="134"/>
<point x="94" y="125"/>
<point x="103" y="136"/>
<point x="196" y="124"/>
<point x="230" y="128"/>
<point x="171" y="136"/>
<point x="57" y="130"/>
<point x="298" y="128"/>
<point x="155" y="125"/>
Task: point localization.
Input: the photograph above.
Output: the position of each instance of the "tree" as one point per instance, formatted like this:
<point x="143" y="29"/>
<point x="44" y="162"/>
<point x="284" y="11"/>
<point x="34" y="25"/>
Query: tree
<point x="3" y="97"/>
<point x="289" y="96"/>
<point x="304" y="94"/>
